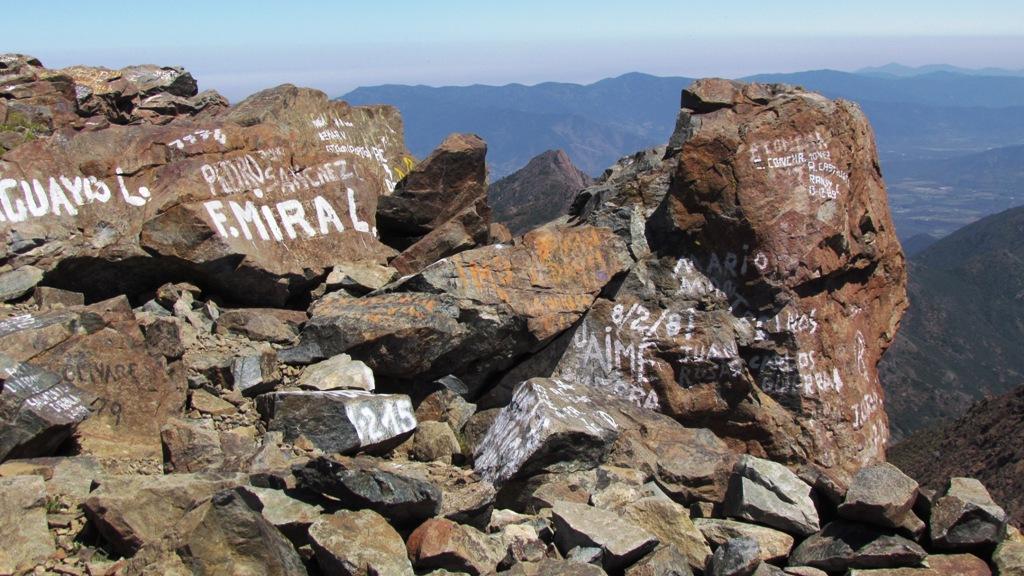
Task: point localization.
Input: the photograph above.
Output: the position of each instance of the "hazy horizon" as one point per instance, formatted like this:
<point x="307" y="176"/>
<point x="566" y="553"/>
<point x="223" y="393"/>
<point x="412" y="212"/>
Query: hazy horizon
<point x="238" y="48"/>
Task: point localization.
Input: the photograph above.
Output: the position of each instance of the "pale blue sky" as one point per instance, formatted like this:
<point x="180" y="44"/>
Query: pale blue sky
<point x="238" y="47"/>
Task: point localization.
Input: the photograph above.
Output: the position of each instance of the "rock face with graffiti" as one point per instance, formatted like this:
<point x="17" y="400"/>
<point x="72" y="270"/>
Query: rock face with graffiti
<point x="770" y="284"/>
<point x="262" y="335"/>
<point x="258" y="199"/>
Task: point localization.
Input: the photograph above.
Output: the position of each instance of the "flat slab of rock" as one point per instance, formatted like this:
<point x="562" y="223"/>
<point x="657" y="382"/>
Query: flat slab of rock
<point x="549" y="423"/>
<point x="225" y="536"/>
<point x="580" y="525"/>
<point x="671" y="524"/>
<point x="773" y="544"/>
<point x="360" y="542"/>
<point x="340" y="421"/>
<point x="938" y="565"/>
<point x="101" y="350"/>
<point x="401" y="499"/>
<point x="261" y="324"/>
<point x="736" y="557"/>
<point x="768" y="493"/>
<point x="965" y="517"/>
<point x="131" y="511"/>
<point x="23" y="529"/>
<point x="38" y="410"/>
<point x="443" y="544"/>
<point x="289" y="515"/>
<point x="339" y="372"/>
<point x="1009" y="558"/>
<point x="844" y="545"/>
<point x="18" y="282"/>
<point x="880" y="495"/>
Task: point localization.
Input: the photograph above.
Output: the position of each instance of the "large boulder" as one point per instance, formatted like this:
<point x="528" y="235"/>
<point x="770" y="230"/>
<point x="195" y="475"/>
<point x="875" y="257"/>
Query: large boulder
<point x="257" y="201"/>
<point x="881" y="495"/>
<point x="101" y="358"/>
<point x="360" y="485"/>
<point x="769" y="277"/>
<point x="965" y="517"/>
<point x="769" y="493"/>
<point x="440" y="207"/>
<point x="340" y="421"/>
<point x="621" y="543"/>
<point x="359" y="542"/>
<point x="845" y="545"/>
<point x="470" y="315"/>
<point x="133" y="511"/>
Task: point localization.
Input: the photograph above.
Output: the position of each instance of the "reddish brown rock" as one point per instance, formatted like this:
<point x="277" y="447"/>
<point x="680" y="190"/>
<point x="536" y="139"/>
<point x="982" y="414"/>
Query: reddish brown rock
<point x="100" y="350"/>
<point x="441" y="543"/>
<point x="440" y="207"/>
<point x="257" y="201"/>
<point x="773" y="284"/>
<point x="472" y="314"/>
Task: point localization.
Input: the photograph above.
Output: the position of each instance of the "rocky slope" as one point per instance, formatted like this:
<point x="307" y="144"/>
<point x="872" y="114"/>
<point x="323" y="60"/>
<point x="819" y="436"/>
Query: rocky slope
<point x="679" y="377"/>
<point x="984" y="443"/>
<point x="961" y="338"/>
<point x="537" y="193"/>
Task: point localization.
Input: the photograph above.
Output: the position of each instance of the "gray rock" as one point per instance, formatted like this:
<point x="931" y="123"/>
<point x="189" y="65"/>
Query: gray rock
<point x="773" y="544"/>
<point x="255" y="372"/>
<point x="131" y="511"/>
<point x="23" y="529"/>
<point x="225" y="536"/>
<point x="339" y="372"/>
<point x="445" y="406"/>
<point x="38" y="410"/>
<point x="261" y="324"/>
<point x="18" y="282"/>
<point x="843" y="545"/>
<point x="586" y="555"/>
<point x="360" y="277"/>
<point x="768" y="493"/>
<point x="67" y="477"/>
<point x="291" y="516"/>
<point x="190" y="446"/>
<point x="548" y="424"/>
<point x="580" y="525"/>
<point x="359" y="542"/>
<point x="880" y="495"/>
<point x="966" y="517"/>
<point x="1009" y="558"/>
<point x="664" y="561"/>
<point x="736" y="557"/>
<point x="165" y="336"/>
<point x="47" y="298"/>
<point x="340" y="421"/>
<point x="435" y="441"/>
<point x="671" y="524"/>
<point x="401" y="499"/>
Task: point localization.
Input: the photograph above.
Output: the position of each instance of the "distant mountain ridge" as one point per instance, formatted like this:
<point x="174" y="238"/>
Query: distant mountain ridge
<point x="899" y="70"/>
<point x="963" y="336"/>
<point x="937" y="114"/>
<point x="595" y="124"/>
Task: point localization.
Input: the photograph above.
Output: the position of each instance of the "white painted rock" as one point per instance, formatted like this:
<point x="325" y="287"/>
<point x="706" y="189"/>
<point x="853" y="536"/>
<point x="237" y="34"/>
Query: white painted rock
<point x="549" y="423"/>
<point x="340" y="421"/>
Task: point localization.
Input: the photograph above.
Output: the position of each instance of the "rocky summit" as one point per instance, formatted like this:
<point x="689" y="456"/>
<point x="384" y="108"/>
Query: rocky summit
<point x="264" y="339"/>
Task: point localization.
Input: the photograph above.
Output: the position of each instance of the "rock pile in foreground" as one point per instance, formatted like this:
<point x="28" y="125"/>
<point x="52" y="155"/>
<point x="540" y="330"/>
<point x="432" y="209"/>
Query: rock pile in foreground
<point x="261" y="339"/>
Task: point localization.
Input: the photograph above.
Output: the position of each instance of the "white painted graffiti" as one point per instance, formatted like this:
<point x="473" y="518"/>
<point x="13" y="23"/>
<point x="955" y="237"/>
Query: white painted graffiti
<point x="378" y="418"/>
<point x="807" y="154"/>
<point x="863" y="410"/>
<point x="61" y="195"/>
<point x="198" y="136"/>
